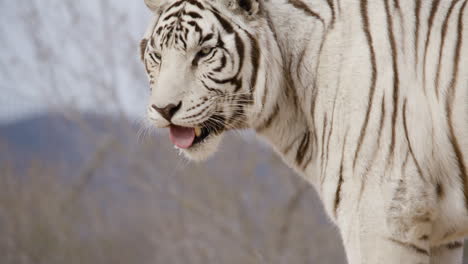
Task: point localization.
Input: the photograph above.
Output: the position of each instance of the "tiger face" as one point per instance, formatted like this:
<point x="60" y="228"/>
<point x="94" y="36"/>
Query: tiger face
<point x="202" y="70"/>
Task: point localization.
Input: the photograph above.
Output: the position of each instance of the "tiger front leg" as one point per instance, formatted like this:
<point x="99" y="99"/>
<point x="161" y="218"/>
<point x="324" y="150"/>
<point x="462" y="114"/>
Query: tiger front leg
<point x="390" y="224"/>
<point x="373" y="242"/>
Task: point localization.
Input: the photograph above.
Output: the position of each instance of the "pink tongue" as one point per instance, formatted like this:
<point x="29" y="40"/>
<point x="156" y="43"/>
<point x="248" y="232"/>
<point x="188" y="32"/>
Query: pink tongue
<point x="182" y="137"/>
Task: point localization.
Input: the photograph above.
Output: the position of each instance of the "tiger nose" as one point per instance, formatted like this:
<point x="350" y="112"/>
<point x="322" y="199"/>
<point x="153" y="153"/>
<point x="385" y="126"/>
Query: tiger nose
<point x="168" y="111"/>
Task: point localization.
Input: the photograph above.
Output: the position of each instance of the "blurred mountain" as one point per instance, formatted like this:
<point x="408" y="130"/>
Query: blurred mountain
<point x="242" y="206"/>
<point x="46" y="137"/>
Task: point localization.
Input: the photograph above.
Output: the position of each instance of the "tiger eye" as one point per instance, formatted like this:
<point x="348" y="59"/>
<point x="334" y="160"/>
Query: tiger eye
<point x="205" y="51"/>
<point x="155" y="57"/>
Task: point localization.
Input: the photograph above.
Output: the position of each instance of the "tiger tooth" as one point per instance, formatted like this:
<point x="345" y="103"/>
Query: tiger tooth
<point x="198" y="131"/>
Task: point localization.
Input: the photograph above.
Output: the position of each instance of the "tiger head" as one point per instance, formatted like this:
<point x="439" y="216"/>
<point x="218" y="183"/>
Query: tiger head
<point x="202" y="58"/>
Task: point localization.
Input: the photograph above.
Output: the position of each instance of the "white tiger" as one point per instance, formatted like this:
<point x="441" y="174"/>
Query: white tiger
<point x="366" y="99"/>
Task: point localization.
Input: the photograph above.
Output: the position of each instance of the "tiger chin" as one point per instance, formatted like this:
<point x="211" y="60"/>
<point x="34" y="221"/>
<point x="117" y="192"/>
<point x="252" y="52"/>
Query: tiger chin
<point x="365" y="99"/>
<point x="202" y="147"/>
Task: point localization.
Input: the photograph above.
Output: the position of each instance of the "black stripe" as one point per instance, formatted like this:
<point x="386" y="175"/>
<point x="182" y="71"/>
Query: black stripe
<point x="158" y="31"/>
<point x="232" y="80"/>
<point x="369" y="164"/>
<point x="382" y="121"/>
<point x="183" y="42"/>
<point x="206" y="38"/>
<point x="237" y="83"/>
<point x="303" y="146"/>
<point x="174" y="5"/>
<point x="196" y="27"/>
<point x="213" y="54"/>
<point x="332" y="8"/>
<point x="396" y="78"/>
<point x="288" y="148"/>
<point x="322" y="158"/>
<point x="365" y="25"/>
<point x="455" y="245"/>
<point x="240" y="51"/>
<point x="443" y="34"/>
<point x="330" y="131"/>
<point x="302" y="56"/>
<point x="224" y="23"/>
<point x="255" y="57"/>
<point x="218" y="92"/>
<point x="430" y="21"/>
<point x="302" y="6"/>
<point x="290" y="90"/>
<point x="416" y="30"/>
<point x="196" y="3"/>
<point x="269" y="120"/>
<point x="312" y="113"/>
<point x="439" y="190"/>
<point x="245" y="4"/>
<point x="340" y="180"/>
<point x="203" y="111"/>
<point x="265" y="90"/>
<point x="220" y="43"/>
<point x="152" y="43"/>
<point x="424" y="237"/>
<point x="171" y="15"/>
<point x="402" y="24"/>
<point x="193" y="15"/>
<point x="311" y="155"/>
<point x="405" y="126"/>
<point x="272" y="27"/>
<point x="222" y="65"/>
<point x="405" y="163"/>
<point x="186" y="31"/>
<point x="449" y="107"/>
<point x="410" y="246"/>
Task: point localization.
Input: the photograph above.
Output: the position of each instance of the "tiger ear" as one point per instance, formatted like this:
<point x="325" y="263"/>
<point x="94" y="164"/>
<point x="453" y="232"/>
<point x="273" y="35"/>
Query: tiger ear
<point x="143" y="45"/>
<point x="155" y="5"/>
<point x="148" y="36"/>
<point x="246" y="7"/>
<point x="252" y="7"/>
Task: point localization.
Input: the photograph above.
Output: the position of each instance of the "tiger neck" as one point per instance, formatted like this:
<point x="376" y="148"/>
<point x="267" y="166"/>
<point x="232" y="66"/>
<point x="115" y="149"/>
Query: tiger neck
<point x="288" y="126"/>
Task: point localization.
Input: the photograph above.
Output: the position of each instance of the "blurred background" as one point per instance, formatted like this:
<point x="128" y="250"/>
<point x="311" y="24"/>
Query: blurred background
<point x="82" y="182"/>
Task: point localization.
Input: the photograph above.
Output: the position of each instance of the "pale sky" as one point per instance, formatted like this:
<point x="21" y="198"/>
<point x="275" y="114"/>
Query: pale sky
<point x="58" y="53"/>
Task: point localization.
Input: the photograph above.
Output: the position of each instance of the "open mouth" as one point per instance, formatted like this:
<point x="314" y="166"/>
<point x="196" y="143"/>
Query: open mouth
<point x="187" y="137"/>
